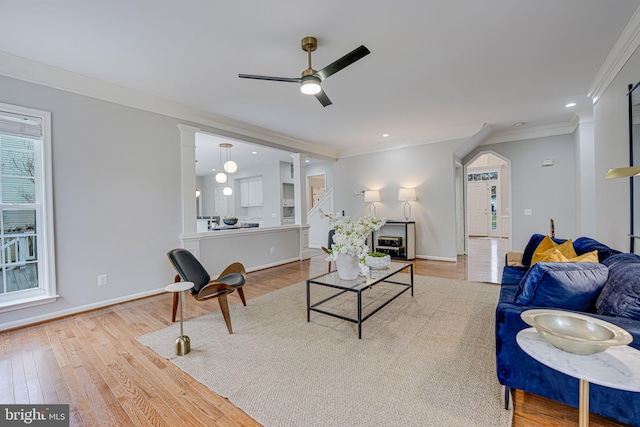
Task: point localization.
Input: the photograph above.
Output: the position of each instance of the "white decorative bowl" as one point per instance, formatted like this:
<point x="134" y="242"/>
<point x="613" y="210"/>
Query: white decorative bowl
<point x="574" y="332"/>
<point x="377" y="263"/>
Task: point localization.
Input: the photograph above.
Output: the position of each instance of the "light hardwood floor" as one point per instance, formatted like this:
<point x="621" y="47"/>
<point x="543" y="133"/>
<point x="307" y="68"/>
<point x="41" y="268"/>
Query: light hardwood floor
<point x="93" y="362"/>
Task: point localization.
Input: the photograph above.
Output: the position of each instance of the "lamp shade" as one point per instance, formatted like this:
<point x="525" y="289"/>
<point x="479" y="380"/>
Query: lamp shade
<point x="623" y="172"/>
<point x="406" y="194"/>
<point x="372" y="196"/>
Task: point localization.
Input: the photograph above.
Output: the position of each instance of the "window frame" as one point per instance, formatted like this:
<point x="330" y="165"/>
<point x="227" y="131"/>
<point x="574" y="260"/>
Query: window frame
<point x="46" y="292"/>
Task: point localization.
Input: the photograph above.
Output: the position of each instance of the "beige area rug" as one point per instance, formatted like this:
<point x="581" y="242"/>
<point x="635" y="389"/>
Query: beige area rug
<point x="427" y="360"/>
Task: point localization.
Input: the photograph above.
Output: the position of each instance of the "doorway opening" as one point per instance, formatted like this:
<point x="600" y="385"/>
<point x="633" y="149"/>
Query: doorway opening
<point x="487" y="182"/>
<point x="317" y="188"/>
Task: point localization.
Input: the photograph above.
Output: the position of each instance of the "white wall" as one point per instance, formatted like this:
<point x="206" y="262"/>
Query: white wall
<point x="548" y="191"/>
<point x="585" y="178"/>
<point x="611" y="138"/>
<point x="116" y="189"/>
<point x="429" y="168"/>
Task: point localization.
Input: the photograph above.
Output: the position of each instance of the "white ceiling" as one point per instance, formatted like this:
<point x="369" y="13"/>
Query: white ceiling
<point x="438" y="69"/>
<point x="247" y="156"/>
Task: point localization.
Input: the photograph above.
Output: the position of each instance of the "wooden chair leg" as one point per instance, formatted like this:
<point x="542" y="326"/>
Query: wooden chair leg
<point x="224" y="307"/>
<point x="175" y="306"/>
<point x="241" y="293"/>
<point x="329" y="271"/>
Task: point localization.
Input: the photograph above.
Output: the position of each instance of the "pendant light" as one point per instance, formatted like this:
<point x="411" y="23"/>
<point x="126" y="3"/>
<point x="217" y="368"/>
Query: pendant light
<point x="221" y="177"/>
<point x="229" y="166"/>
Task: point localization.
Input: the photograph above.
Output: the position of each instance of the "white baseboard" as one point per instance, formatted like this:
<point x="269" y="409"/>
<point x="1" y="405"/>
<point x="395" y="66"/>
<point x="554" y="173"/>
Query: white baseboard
<point x="437" y="258"/>
<point x="273" y="264"/>
<point x="75" y="310"/>
<point x="101" y="304"/>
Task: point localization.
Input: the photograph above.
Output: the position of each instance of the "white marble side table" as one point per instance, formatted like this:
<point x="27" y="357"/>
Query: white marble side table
<point x="618" y="367"/>
<point x="183" y="343"/>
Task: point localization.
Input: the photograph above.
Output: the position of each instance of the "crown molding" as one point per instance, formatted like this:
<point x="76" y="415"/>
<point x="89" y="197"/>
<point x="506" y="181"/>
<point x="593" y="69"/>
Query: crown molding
<point x="625" y="46"/>
<point x="56" y="78"/>
<point x="379" y="147"/>
<point x="543" y="131"/>
<point x="585" y="116"/>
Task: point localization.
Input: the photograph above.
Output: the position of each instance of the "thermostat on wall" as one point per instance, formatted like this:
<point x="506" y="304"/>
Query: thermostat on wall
<point x="547" y="162"/>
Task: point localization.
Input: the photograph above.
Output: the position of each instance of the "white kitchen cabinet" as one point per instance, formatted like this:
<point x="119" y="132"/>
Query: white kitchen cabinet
<point x="251" y="191"/>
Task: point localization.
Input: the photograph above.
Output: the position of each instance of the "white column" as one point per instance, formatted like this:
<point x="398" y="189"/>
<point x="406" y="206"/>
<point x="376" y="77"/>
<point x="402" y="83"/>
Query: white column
<point x="188" y="157"/>
<point x="300" y="194"/>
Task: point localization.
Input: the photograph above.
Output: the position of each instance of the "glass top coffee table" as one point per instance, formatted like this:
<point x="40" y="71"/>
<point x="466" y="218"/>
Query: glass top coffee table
<point x="357" y="287"/>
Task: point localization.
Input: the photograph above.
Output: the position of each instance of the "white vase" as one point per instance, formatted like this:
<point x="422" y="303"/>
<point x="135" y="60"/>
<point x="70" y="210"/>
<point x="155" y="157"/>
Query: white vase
<point x="348" y="267"/>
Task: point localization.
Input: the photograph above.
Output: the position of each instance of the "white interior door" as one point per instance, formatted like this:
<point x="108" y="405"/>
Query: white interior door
<point x="478" y="203"/>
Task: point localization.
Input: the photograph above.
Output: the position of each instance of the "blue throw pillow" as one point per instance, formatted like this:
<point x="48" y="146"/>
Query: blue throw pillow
<point x="534" y="241"/>
<point x="567" y="285"/>
<point x="582" y="245"/>
<point x="621" y="294"/>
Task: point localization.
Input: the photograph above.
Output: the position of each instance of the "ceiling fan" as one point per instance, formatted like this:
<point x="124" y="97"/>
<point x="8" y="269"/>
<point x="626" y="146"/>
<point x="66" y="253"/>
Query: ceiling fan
<point x="311" y="79"/>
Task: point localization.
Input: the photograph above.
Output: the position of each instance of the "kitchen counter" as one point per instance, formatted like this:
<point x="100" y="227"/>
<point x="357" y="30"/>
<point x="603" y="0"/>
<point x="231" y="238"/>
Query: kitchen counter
<point x="236" y="227"/>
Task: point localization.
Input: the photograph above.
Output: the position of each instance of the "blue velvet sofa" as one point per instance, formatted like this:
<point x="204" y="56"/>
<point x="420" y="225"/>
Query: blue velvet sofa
<point x="609" y="290"/>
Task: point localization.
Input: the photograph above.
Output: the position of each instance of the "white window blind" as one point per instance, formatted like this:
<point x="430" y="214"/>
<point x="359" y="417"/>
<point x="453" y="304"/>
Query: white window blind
<point x="19" y="125"/>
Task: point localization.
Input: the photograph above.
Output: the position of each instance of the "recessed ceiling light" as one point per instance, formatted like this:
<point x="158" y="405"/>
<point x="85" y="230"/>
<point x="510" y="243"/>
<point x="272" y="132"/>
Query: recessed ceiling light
<point x="519" y="124"/>
<point x="213" y="170"/>
<point x="385" y="135"/>
<point x="571" y="104"/>
<point x="307" y="161"/>
<point x="254" y="152"/>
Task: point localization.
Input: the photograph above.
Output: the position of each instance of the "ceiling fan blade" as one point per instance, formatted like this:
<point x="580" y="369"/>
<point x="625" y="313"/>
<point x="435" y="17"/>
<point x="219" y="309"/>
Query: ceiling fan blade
<point x="345" y="61"/>
<point x="323" y="98"/>
<point x="276" y="79"/>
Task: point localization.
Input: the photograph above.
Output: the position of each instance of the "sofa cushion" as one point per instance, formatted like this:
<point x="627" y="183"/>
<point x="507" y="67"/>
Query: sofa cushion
<point x="567" y="285"/>
<point x="534" y="241"/>
<point x="621" y="294"/>
<point x="583" y="245"/>
<point x="512" y="274"/>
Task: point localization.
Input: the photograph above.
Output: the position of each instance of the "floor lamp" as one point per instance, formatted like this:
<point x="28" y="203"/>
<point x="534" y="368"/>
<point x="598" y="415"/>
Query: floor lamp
<point x="627" y="172"/>
<point x="406" y="195"/>
<point x="372" y="196"/>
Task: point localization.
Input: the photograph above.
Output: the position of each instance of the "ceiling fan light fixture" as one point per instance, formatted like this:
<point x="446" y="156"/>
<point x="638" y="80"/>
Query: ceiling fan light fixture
<point x="310" y="85"/>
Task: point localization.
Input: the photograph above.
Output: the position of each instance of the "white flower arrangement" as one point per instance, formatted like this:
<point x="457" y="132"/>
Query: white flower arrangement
<point x="350" y="237"/>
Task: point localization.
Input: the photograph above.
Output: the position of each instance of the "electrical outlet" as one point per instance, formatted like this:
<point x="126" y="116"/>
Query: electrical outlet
<point x="102" y="280"/>
<point x="272" y="251"/>
<point x="527" y="211"/>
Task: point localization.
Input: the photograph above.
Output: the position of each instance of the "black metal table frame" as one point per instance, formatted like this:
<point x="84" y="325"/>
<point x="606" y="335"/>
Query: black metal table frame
<point x="358" y="291"/>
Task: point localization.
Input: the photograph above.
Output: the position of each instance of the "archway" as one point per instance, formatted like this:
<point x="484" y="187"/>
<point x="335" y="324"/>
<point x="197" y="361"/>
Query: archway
<point x="487" y="182"/>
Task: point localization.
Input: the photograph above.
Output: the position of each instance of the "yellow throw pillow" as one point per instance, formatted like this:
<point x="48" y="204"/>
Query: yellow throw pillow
<point x="588" y="257"/>
<point x="567" y="249"/>
<point x="542" y="247"/>
<point x="553" y="255"/>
